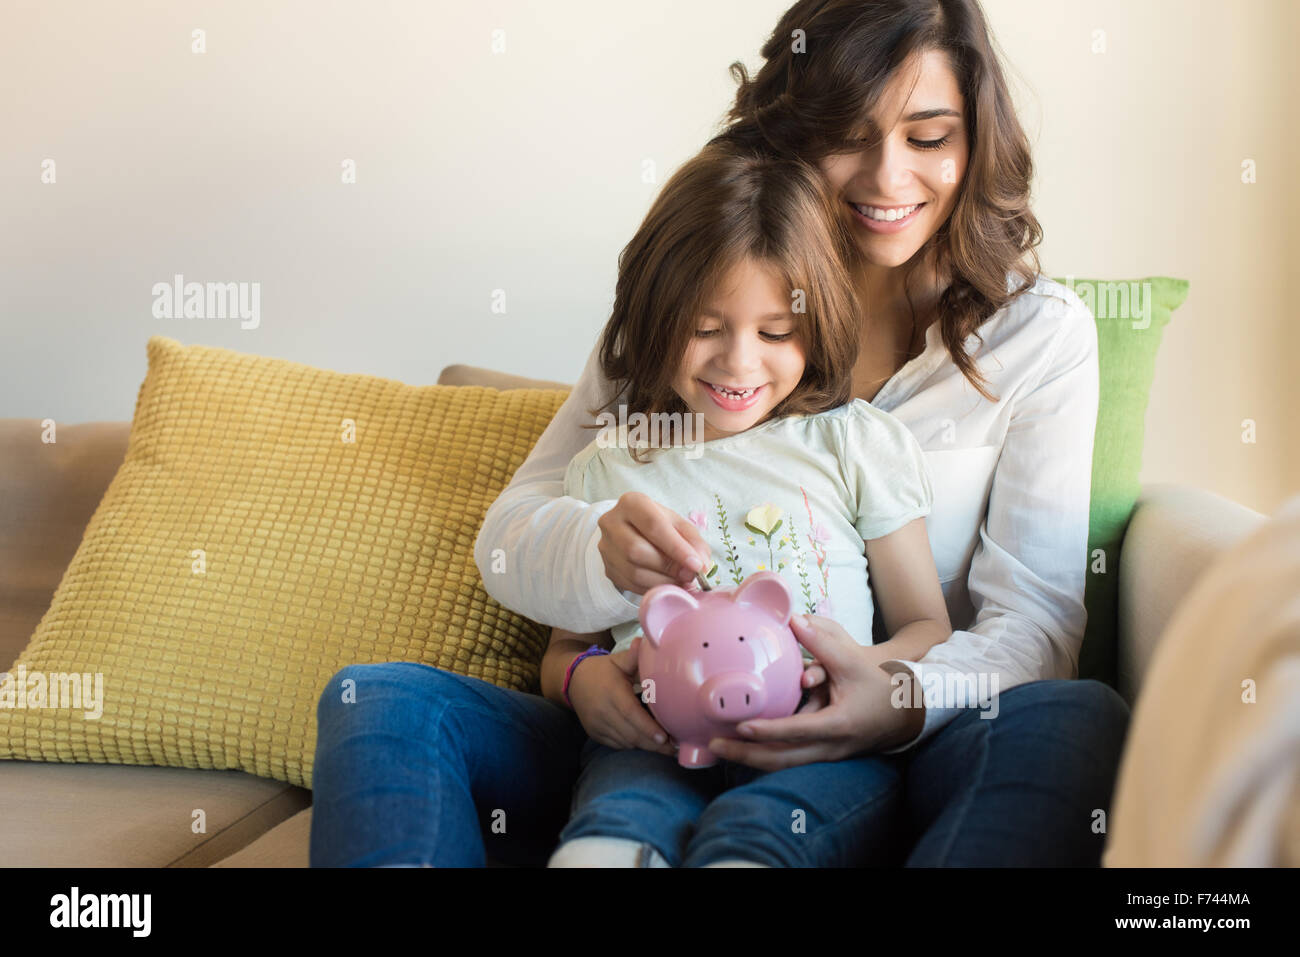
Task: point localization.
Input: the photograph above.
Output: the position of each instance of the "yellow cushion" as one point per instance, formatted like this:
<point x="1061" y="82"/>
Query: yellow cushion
<point x="316" y="552"/>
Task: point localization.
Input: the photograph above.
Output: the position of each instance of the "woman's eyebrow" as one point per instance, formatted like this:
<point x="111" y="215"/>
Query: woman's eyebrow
<point x="931" y="114"/>
<point x="924" y="115"/>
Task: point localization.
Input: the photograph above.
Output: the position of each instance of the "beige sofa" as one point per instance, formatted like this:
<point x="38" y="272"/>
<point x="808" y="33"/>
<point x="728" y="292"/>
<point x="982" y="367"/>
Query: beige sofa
<point x="94" y="815"/>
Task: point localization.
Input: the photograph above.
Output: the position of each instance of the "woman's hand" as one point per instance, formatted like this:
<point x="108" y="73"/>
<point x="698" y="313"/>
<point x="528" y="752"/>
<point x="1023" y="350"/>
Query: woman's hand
<point x="607" y="700"/>
<point x="850" y="710"/>
<point x="645" y="544"/>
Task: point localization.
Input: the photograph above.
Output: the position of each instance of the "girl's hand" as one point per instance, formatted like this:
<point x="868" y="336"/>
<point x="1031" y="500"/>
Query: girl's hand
<point x="607" y="700"/>
<point x="645" y="544"/>
<point x="849" y="712"/>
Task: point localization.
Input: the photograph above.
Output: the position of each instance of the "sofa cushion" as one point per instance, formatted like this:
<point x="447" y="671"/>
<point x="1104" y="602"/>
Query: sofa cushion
<point x="270" y="524"/>
<point x="52" y="480"/>
<point x="288" y="844"/>
<point x="1130" y="316"/>
<point x="87" y="815"/>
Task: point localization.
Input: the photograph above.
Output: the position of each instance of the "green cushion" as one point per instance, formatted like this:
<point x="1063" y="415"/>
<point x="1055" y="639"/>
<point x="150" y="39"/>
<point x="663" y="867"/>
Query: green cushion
<point x="1131" y="316"/>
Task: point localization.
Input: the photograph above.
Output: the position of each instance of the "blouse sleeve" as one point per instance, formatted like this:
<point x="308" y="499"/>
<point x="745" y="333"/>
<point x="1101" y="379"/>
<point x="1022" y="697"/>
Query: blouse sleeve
<point x="1027" y="574"/>
<point x="885" y="471"/>
<point x="553" y="571"/>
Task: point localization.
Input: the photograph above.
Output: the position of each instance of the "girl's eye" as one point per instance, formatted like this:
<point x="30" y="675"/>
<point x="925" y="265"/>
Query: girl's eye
<point x="769" y="336"/>
<point x="932" y="144"/>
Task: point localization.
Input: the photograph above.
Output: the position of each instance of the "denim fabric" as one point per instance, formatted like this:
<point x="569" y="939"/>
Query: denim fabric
<point x="432" y="768"/>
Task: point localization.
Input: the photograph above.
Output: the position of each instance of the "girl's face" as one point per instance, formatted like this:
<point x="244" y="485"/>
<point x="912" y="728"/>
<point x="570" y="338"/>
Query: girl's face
<point x="898" y="193"/>
<point x="746" y="342"/>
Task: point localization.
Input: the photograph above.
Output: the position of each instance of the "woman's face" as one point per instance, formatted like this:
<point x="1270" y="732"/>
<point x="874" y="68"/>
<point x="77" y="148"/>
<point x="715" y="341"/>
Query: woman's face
<point x="919" y="162"/>
<point x="745" y="343"/>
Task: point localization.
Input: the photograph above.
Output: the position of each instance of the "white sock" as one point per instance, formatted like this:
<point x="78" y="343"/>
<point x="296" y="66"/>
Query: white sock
<point x="605" y="852"/>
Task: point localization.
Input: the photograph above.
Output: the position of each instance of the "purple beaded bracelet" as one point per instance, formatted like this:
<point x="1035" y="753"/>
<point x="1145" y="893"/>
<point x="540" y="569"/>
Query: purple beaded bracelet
<point x="568" y="674"/>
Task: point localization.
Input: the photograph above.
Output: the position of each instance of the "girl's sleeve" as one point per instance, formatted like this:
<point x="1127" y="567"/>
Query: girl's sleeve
<point x="1026" y="577"/>
<point x="537" y="548"/>
<point x="885" y="471"/>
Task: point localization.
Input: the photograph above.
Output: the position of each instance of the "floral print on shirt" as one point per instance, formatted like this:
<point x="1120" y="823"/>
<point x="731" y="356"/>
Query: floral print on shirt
<point x="764" y="522"/>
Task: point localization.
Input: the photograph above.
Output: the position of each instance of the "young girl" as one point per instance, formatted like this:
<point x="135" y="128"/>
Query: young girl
<point x="735" y="312"/>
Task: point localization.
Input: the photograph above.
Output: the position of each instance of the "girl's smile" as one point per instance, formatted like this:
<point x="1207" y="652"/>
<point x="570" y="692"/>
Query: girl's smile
<point x="745" y="357"/>
<point x="733" y="399"/>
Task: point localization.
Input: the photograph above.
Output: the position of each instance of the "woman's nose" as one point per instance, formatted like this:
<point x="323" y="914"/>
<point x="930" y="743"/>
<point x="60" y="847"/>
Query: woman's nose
<point x="886" y="168"/>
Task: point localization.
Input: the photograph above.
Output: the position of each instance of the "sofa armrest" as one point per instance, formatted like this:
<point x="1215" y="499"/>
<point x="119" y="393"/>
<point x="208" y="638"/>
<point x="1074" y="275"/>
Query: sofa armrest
<point x="1174" y="534"/>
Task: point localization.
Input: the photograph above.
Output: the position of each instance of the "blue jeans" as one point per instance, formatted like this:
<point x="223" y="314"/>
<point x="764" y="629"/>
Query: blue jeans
<point x="825" y="814"/>
<point x="428" y="767"/>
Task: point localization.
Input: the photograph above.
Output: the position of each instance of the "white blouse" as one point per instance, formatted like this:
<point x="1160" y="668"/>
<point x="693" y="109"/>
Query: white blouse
<point x="1008" y="527"/>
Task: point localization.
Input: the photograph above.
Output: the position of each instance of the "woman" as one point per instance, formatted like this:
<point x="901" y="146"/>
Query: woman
<point x="902" y="105"/>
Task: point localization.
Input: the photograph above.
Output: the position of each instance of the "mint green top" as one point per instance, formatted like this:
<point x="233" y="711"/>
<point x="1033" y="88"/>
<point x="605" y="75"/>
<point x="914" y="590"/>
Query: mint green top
<point x="799" y="495"/>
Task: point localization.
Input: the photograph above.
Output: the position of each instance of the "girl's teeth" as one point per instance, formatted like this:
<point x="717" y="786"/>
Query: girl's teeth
<point x="885" y="215"/>
<point x="738" y="395"/>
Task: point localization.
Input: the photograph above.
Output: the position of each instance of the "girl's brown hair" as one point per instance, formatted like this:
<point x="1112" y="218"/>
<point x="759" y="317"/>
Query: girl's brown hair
<point x="723" y="206"/>
<point x="813" y="98"/>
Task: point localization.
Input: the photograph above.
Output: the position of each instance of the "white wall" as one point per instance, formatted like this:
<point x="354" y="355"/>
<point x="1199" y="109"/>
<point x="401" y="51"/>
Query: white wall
<point x="522" y="171"/>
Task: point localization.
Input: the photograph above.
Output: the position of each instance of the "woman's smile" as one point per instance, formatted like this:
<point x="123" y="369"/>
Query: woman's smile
<point x="886" y="219"/>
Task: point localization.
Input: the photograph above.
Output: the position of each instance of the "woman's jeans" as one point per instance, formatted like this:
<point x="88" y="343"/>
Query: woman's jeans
<point x="418" y="766"/>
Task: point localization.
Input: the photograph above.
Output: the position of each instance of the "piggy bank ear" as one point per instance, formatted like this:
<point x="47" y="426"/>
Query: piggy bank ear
<point x="768" y="590"/>
<point x="660" y="605"/>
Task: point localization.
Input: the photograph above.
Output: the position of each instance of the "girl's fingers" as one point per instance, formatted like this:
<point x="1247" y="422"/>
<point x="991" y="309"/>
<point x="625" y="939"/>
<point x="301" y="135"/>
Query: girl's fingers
<point x="625" y="660"/>
<point x="645" y="727"/>
<point x="639" y="730"/>
<point x="680" y="549"/>
<point x="696" y="546"/>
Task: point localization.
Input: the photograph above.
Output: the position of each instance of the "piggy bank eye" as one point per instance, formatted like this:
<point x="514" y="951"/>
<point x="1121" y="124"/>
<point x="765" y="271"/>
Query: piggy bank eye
<point x="706" y="644"/>
<point x="742" y="637"/>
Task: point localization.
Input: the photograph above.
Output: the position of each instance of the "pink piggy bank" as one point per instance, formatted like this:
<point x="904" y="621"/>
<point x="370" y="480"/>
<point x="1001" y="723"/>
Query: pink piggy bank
<point x="718" y="658"/>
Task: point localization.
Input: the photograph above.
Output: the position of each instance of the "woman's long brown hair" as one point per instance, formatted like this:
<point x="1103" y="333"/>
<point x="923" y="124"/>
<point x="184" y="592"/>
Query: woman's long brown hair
<point x="817" y="102"/>
<point x="723" y="206"/>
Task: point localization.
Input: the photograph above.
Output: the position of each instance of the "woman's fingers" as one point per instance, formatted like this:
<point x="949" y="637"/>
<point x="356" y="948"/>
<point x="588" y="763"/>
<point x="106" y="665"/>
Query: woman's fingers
<point x="813" y="676"/>
<point x="818" y="698"/>
<point x="775" y="757"/>
<point x="822" y="724"/>
<point x="832" y="646"/>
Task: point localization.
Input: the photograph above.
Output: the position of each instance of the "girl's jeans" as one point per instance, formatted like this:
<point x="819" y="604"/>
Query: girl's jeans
<point x="419" y="766"/>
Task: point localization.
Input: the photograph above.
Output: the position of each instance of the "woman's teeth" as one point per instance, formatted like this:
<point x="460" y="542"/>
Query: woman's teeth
<point x="886" y="215"/>
<point x="741" y="394"/>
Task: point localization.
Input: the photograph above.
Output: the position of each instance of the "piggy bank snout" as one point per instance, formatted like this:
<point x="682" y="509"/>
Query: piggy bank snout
<point x="733" y="696"/>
